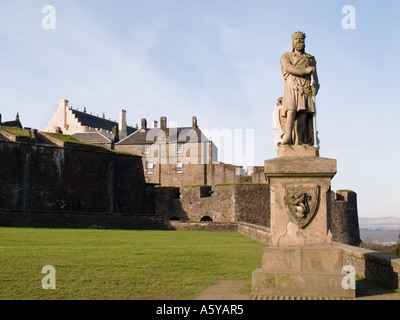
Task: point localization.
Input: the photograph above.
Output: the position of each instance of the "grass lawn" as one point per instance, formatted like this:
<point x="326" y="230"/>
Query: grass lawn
<point x="115" y="264"/>
<point x="63" y="137"/>
<point x="17" y="131"/>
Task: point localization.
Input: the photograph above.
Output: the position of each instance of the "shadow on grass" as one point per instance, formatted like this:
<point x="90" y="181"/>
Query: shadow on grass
<point x="370" y="289"/>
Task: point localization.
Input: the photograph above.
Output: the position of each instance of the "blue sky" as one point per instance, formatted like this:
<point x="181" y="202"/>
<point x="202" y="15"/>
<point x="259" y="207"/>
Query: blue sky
<point x="217" y="60"/>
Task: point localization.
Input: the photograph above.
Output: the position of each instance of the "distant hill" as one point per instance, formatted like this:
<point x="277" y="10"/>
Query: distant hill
<point x="385" y="229"/>
<point x="383" y="236"/>
<point x="379" y="223"/>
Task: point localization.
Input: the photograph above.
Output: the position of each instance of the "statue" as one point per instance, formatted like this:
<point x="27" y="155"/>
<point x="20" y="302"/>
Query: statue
<point x="301" y="87"/>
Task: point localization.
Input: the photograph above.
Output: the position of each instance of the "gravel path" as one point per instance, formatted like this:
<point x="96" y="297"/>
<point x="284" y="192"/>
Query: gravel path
<point x="234" y="290"/>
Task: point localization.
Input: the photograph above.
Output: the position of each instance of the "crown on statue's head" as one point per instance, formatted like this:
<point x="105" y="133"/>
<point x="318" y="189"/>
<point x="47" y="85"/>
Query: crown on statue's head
<point x="299" y="34"/>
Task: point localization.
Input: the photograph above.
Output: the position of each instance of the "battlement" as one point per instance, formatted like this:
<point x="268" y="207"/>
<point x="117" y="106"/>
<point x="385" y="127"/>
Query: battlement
<point x="344" y="217"/>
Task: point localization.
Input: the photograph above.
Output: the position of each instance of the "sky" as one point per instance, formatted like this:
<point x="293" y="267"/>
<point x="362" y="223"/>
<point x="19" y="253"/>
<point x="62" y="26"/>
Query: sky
<point x="218" y="60"/>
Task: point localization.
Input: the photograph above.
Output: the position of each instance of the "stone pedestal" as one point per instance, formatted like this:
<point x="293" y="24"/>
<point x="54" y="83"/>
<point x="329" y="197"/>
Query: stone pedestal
<point x="301" y="261"/>
<point x="306" y="272"/>
<point x="296" y="221"/>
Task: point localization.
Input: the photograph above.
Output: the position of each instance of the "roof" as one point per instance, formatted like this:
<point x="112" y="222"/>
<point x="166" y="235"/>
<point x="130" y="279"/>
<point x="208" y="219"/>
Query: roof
<point x="15" y="123"/>
<point x="151" y="135"/>
<point x="92" y="121"/>
<point x="91" y="137"/>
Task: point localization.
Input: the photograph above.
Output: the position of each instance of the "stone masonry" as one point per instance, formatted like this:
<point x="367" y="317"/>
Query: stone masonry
<point x="221" y="203"/>
<point x="43" y="181"/>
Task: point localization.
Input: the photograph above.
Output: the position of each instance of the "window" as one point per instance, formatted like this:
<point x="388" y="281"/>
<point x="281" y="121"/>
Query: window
<point x="179" y="167"/>
<point x="149" y="168"/>
<point x="146" y="149"/>
<point x="179" y="148"/>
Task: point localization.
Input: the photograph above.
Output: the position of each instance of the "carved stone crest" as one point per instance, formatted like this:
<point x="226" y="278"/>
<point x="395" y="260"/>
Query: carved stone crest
<point x="302" y="203"/>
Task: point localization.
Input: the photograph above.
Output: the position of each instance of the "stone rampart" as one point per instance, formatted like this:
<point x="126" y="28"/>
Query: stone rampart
<point x="71" y="179"/>
<point x="86" y="220"/>
<point x="220" y="203"/>
<point x="255" y="232"/>
<point x="373" y="265"/>
<point x="202" y="226"/>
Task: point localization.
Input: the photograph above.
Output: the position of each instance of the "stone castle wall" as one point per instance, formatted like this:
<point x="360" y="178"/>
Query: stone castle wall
<point x="373" y="265"/>
<point x="72" y="179"/>
<point x="222" y="203"/>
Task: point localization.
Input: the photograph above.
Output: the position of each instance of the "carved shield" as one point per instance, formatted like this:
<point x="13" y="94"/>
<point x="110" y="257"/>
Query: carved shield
<point x="301" y="203"/>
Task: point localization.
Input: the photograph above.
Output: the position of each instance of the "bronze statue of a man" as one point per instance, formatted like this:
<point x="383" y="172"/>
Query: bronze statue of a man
<point x="301" y="86"/>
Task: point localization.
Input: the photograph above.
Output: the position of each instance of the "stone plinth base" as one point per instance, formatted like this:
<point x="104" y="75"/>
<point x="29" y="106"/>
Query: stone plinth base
<point x="297" y="151"/>
<point x="312" y="272"/>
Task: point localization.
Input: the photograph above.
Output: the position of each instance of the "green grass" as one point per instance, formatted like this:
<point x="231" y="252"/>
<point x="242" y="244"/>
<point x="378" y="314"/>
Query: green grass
<point x="17" y="131"/>
<point x="124" y="153"/>
<point x="63" y="137"/>
<point x="114" y="264"/>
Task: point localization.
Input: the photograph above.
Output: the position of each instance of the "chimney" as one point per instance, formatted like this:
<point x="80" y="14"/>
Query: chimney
<point x="144" y="124"/>
<point x="63" y="104"/>
<point x="163" y="123"/>
<point x="122" y="133"/>
<point x="114" y="136"/>
<point x="154" y="124"/>
<point x="194" y="122"/>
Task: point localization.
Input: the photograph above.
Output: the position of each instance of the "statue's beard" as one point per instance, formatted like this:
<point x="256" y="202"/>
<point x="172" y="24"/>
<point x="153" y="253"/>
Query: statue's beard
<point x="299" y="47"/>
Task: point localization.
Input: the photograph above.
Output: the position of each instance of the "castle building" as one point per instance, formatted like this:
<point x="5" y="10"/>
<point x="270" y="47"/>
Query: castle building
<point x="88" y="128"/>
<point x="171" y="156"/>
<point x="13" y="123"/>
<point x="178" y="156"/>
